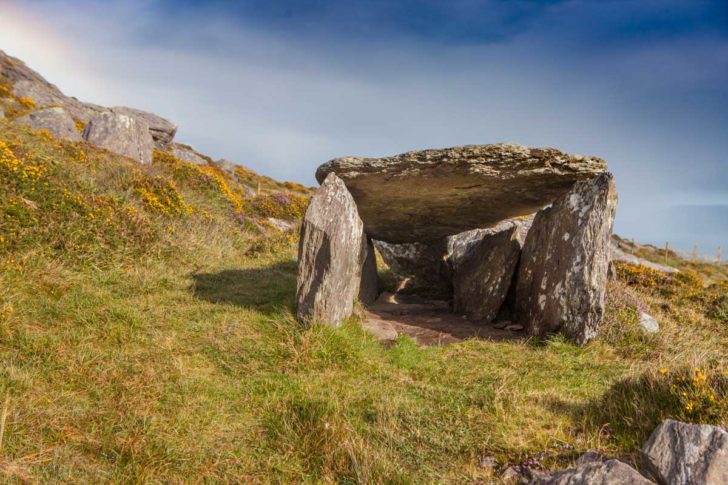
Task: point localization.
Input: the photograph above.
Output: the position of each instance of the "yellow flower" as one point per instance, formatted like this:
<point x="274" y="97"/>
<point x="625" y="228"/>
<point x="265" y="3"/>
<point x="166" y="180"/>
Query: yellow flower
<point x="663" y="371"/>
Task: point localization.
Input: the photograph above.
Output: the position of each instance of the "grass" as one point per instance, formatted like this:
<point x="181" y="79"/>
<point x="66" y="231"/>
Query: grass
<point x="158" y="345"/>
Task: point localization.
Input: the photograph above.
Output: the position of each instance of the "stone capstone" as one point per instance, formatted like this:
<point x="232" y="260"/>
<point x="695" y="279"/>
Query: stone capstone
<point x="562" y="277"/>
<point x="482" y="276"/>
<point x="610" y="472"/>
<point x="331" y="252"/>
<point x="680" y="454"/>
<point x="55" y="120"/>
<point x="121" y="134"/>
<point x="428" y="195"/>
<point x="161" y="129"/>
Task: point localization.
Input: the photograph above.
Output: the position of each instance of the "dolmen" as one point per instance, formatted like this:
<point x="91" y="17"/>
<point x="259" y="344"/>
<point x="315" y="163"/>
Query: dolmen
<point x="489" y="227"/>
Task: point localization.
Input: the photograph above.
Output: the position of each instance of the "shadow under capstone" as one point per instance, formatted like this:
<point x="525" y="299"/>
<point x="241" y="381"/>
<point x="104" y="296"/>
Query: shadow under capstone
<point x="266" y="289"/>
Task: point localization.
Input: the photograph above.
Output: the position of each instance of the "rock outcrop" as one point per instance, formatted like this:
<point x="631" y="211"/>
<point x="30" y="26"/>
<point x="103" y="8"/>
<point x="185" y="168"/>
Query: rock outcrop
<point x="681" y="454"/>
<point x="610" y="472"/>
<point x="121" y="134"/>
<point x="482" y="276"/>
<point x="188" y="154"/>
<point x="55" y="120"/>
<point x="161" y="129"/>
<point x="331" y="253"/>
<point x="563" y="272"/>
<point x="27" y="83"/>
<point x="429" y="195"/>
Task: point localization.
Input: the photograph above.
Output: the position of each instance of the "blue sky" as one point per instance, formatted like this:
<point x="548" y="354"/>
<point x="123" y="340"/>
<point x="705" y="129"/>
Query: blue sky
<point x="282" y="86"/>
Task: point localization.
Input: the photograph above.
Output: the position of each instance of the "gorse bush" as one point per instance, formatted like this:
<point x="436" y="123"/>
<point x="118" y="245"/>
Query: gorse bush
<point x="682" y="288"/>
<point x="279" y="205"/>
<point x="633" y="407"/>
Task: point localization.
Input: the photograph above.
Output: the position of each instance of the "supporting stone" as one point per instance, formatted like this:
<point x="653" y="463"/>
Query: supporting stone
<point x="424" y="263"/>
<point x="331" y="252"/>
<point x="369" y="286"/>
<point x="482" y="275"/>
<point x="563" y="272"/>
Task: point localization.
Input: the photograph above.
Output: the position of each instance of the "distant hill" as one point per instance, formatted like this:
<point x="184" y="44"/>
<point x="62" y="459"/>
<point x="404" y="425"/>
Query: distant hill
<point x="682" y="226"/>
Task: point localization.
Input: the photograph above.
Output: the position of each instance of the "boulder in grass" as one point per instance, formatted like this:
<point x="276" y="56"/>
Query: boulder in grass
<point x="54" y="120"/>
<point x="121" y="134"/>
<point x="610" y="472"/>
<point x="681" y="454"/>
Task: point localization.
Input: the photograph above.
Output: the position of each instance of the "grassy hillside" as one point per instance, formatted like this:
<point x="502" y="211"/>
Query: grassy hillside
<point x="146" y="335"/>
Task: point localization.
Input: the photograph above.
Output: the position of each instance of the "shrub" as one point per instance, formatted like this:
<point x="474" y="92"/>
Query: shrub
<point x="162" y="196"/>
<point x="200" y="176"/>
<point x="633" y="407"/>
<point x="279" y="205"/>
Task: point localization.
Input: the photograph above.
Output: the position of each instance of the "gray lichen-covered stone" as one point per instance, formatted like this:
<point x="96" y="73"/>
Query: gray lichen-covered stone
<point x="610" y="472"/>
<point x="188" y="154"/>
<point x="648" y="323"/>
<point x="681" y="454"/>
<point x="121" y="134"/>
<point x="331" y="253"/>
<point x="161" y="129"/>
<point x="563" y="272"/>
<point x="483" y="275"/>
<point x="460" y="244"/>
<point x="369" y="286"/>
<point x="55" y="120"/>
<point x="438" y="193"/>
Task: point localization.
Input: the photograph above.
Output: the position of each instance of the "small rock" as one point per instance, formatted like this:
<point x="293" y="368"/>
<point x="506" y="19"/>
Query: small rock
<point x="280" y="224"/>
<point x="55" y="120"/>
<point x="486" y="461"/>
<point x="501" y="325"/>
<point x="649" y="323"/>
<point x="187" y="154"/>
<point x="514" y="327"/>
<point x="610" y="472"/>
<point x="681" y="453"/>
<point x="590" y="457"/>
<point x="513" y="474"/>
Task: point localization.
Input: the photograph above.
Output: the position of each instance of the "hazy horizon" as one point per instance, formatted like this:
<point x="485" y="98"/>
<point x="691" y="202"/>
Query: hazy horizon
<point x="282" y="87"/>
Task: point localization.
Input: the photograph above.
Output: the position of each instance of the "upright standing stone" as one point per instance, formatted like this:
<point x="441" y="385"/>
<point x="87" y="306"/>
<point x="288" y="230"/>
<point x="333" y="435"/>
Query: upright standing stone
<point x="121" y="134"/>
<point x="331" y="253"/>
<point x="483" y="274"/>
<point x="564" y="265"/>
<point x="681" y="454"/>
